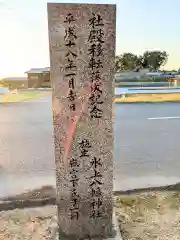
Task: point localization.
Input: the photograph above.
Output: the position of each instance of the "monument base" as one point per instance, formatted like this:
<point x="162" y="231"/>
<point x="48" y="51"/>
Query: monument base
<point x="116" y="235"/>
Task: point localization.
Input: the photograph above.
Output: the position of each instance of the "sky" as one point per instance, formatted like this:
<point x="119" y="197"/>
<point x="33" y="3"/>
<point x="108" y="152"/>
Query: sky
<point x="141" y="25"/>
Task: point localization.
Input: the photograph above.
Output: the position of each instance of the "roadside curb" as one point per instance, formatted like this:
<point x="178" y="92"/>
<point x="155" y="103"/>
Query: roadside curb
<point x="20" y="204"/>
<point x="172" y="187"/>
<point x="10" y="203"/>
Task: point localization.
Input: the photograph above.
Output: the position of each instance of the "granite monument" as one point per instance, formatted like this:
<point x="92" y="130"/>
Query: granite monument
<point x="82" y="61"/>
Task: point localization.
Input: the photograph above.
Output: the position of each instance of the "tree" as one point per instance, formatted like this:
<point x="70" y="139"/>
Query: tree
<point x="150" y="59"/>
<point x="153" y="59"/>
<point x="126" y="61"/>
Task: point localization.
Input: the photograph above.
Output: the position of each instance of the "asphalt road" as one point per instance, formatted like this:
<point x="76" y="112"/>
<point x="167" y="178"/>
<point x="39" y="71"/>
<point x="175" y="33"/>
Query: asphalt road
<point x="26" y="150"/>
<point x="147" y="151"/>
<point x="147" y="145"/>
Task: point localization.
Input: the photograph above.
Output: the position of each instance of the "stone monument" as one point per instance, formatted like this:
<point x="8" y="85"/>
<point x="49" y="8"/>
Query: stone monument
<point x="82" y="56"/>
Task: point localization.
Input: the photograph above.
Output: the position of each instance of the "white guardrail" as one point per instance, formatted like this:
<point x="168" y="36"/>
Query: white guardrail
<point x="160" y="90"/>
<point x="133" y="90"/>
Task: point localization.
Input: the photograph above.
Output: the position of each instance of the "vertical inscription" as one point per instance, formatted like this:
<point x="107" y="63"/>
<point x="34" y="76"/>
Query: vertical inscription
<point x="95" y="52"/>
<point x="70" y="73"/>
<point x="74" y="170"/>
<point x="84" y="146"/>
<point x="70" y="67"/>
<point x="95" y="188"/>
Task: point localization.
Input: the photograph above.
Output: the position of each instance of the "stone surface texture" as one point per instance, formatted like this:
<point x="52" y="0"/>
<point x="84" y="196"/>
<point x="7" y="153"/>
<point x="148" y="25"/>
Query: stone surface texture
<point x="72" y="127"/>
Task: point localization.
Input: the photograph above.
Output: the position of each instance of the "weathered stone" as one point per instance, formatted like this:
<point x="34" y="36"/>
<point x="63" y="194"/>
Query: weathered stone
<point x="82" y="44"/>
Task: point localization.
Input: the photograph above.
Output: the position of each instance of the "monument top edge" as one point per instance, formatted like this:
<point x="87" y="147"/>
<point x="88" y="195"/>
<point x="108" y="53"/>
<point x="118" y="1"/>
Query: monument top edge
<point x="81" y="4"/>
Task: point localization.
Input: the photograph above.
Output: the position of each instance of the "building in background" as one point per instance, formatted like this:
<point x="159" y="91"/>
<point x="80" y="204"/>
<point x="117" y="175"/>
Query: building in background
<point x="175" y="82"/>
<point x="38" y="78"/>
<point x="14" y="82"/>
<point x="130" y="75"/>
<point x="144" y="78"/>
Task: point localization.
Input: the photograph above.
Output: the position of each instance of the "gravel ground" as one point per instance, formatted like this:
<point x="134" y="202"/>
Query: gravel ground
<point x="149" y="216"/>
<point x="35" y="224"/>
<point x="142" y="216"/>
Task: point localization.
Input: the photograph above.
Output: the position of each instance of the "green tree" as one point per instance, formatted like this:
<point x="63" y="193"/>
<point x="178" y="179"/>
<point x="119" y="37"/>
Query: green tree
<point x="126" y="61"/>
<point x="153" y="59"/>
<point x="150" y="59"/>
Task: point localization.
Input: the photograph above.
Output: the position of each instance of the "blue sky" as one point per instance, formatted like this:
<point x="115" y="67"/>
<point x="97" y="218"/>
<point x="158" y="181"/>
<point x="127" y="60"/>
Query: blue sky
<point x="141" y="25"/>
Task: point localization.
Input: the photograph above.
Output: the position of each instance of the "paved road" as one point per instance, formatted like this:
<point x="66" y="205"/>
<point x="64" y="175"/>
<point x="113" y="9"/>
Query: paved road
<point x="147" y="144"/>
<point x="147" y="151"/>
<point x="26" y="151"/>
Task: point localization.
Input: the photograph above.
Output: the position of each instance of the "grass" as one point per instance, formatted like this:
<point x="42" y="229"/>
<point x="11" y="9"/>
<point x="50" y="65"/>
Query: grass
<point x="146" y="80"/>
<point x="149" y="98"/>
<point x="22" y="96"/>
<point x="152" y="215"/>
